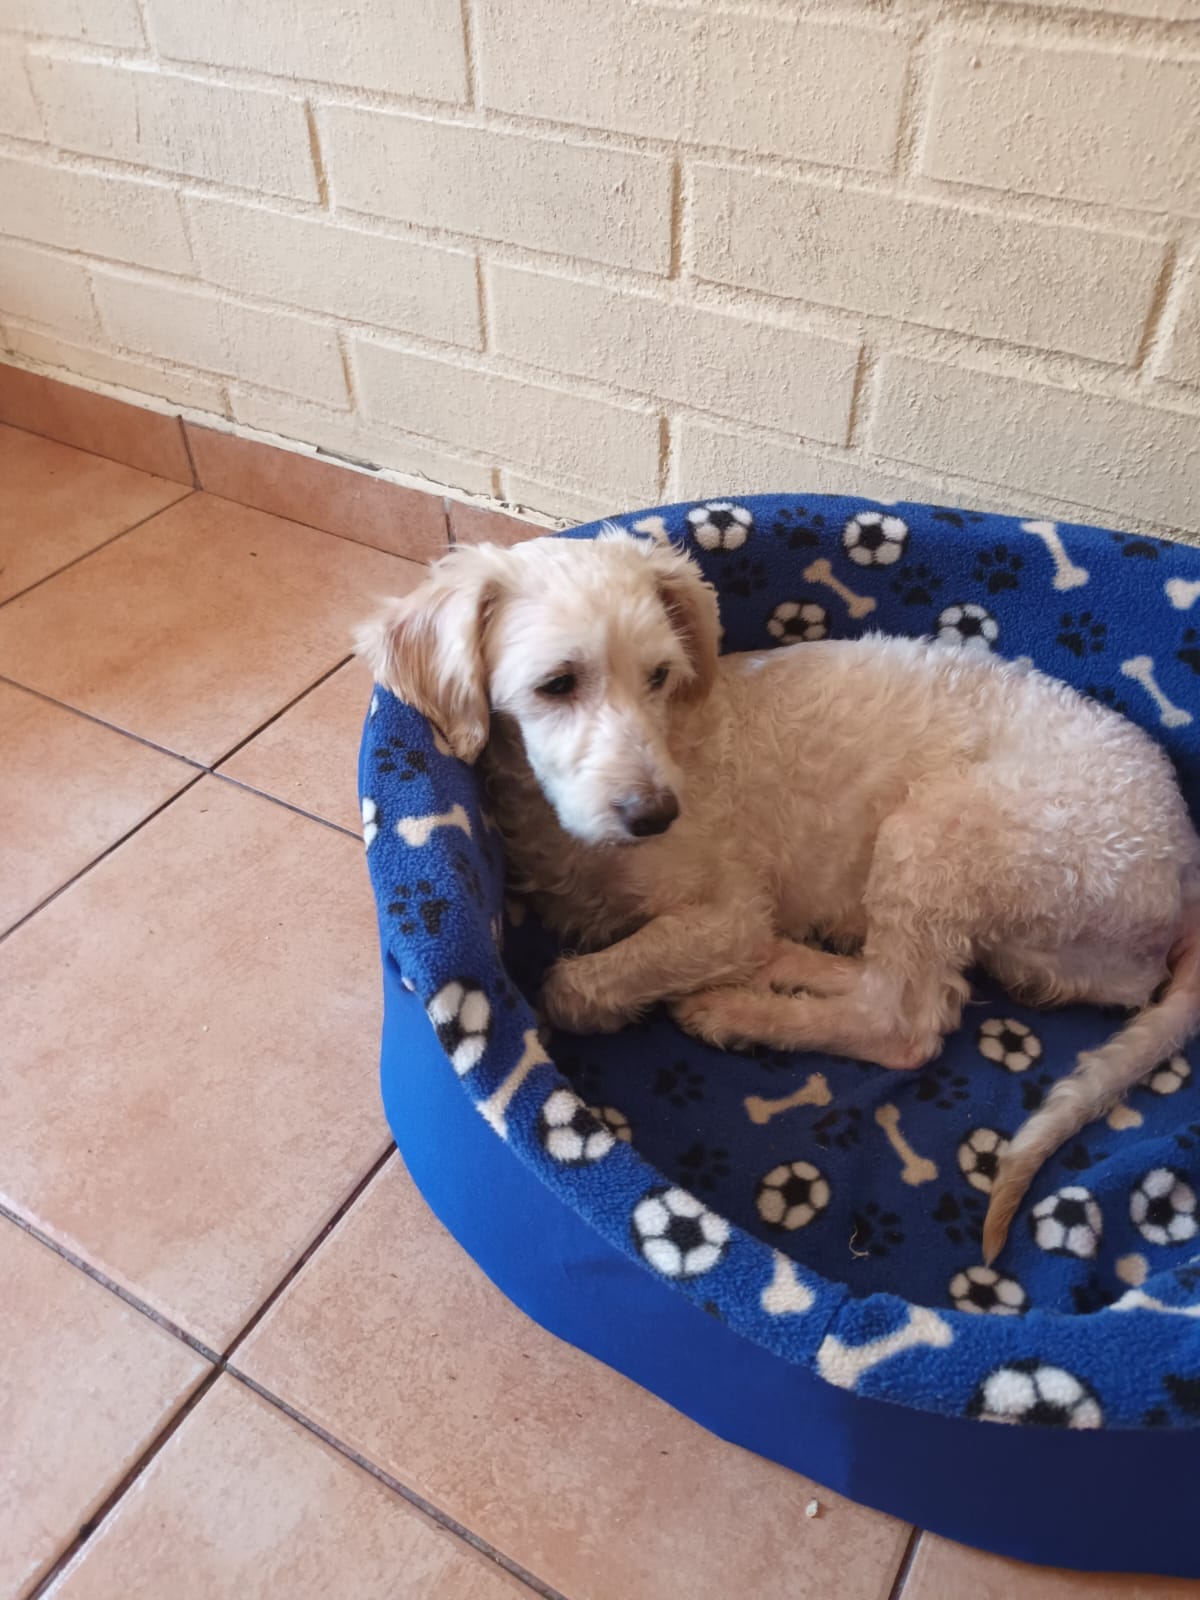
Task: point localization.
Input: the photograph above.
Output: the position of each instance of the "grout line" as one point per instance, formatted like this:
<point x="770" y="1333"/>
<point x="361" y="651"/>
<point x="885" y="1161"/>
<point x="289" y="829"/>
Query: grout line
<point x="470" y="62"/>
<point x="101" y="722"/>
<point x="678" y="214"/>
<point x="286" y="805"/>
<point x="113" y="1287"/>
<point x="185" y="494"/>
<point x="859" y="396"/>
<point x="1155" y="330"/>
<point x="275" y="716"/>
<point x="318" y="159"/>
<point x="187" y="450"/>
<point x="307" y="1254"/>
<point x="104" y="854"/>
<point x="98" y="1517"/>
<point x="906" y="1560"/>
<point x="434" y="1513"/>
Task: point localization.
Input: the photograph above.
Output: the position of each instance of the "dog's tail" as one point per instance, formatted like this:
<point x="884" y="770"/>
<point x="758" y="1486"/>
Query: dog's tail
<point x="1099" y="1080"/>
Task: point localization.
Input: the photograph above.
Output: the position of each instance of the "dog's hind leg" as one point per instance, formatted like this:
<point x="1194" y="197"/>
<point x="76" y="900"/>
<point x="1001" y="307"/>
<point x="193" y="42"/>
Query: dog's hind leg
<point x="801" y="966"/>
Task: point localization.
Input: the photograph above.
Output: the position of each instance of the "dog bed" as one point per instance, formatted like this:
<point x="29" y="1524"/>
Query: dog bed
<point x="786" y="1247"/>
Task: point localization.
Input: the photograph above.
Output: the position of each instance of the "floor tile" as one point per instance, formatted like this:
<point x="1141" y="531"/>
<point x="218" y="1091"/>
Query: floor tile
<point x="945" y="1571"/>
<point x="308" y="757"/>
<point x="244" y="1502"/>
<point x="324" y="494"/>
<point x="149" y="440"/>
<point x="57" y="503"/>
<point x="191" y="1054"/>
<point x="68" y="789"/>
<point x="85" y="1384"/>
<point x="195" y="628"/>
<point x="395" y="1343"/>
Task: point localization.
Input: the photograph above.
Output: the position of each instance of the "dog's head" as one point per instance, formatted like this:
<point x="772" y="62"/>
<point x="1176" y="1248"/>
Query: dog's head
<point x="589" y="647"/>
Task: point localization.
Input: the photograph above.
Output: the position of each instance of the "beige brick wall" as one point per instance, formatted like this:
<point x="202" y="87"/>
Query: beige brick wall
<point x="588" y="254"/>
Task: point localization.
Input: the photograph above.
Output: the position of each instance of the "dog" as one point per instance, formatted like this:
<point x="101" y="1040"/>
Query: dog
<point x="687" y="821"/>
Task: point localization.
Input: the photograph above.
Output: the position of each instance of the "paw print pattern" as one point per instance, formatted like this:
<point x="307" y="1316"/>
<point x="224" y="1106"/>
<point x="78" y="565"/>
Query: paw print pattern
<point x="394" y="756"/>
<point x="1091" y="1296"/>
<point x="1106" y="697"/>
<point x="839" y="1128"/>
<point x="998" y="568"/>
<point x="876" y="1232"/>
<point x="1188" y="1138"/>
<point x="1082" y="634"/>
<point x="468" y="877"/>
<point x="1079" y="1158"/>
<point x="703" y="1166"/>
<point x="1034" y="1090"/>
<point x="679" y="1085"/>
<point x="1189" y="653"/>
<point x="797" y="529"/>
<point x="918" y="586"/>
<point x="1140" y="549"/>
<point x="430" y="908"/>
<point x="941" y="1084"/>
<point x="744" y="577"/>
<point x="956" y="519"/>
<point x="961" y="1217"/>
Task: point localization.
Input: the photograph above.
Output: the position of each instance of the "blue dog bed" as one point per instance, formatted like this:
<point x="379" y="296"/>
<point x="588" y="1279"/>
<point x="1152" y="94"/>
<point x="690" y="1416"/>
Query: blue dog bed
<point x="786" y="1247"/>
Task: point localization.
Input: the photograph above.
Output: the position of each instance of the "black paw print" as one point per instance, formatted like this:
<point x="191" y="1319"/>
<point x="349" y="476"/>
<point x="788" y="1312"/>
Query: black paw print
<point x="703" y="1166"/>
<point x="1184" y="1395"/>
<point x="744" y="576"/>
<point x="1188" y="1278"/>
<point x="1091" y="1296"/>
<point x="1190" y="654"/>
<point x="1079" y="1158"/>
<point x="998" y="568"/>
<point x="941" y="1084"/>
<point x="393" y="755"/>
<point x="800" y="530"/>
<point x="1188" y="1138"/>
<point x="956" y="519"/>
<point x="429" y="907"/>
<point x="839" y="1128"/>
<point x="1143" y="549"/>
<point x="464" y="869"/>
<point x="584" y="1077"/>
<point x="1107" y="697"/>
<point x="1033" y="1090"/>
<point x="1082" y="635"/>
<point x="679" y="1085"/>
<point x="961" y="1217"/>
<point x="507" y="994"/>
<point x="876" y="1233"/>
<point x="770" y="1060"/>
<point x="918" y="586"/>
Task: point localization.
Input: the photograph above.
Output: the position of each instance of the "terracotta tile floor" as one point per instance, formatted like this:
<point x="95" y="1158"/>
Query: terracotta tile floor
<point x="240" y="1357"/>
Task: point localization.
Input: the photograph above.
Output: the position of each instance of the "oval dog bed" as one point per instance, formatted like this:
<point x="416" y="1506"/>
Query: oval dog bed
<point x="786" y="1247"/>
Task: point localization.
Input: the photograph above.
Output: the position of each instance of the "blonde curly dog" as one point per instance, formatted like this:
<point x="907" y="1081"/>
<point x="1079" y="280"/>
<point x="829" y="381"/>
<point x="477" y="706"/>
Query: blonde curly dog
<point x="688" y="820"/>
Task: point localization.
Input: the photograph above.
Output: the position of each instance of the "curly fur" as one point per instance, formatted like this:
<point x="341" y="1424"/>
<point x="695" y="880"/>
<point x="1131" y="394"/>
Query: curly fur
<point x="930" y="808"/>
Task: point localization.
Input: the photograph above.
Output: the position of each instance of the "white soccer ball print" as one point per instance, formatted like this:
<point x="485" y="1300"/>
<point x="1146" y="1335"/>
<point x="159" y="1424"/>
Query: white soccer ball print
<point x="979" y="1157"/>
<point x="571" y="1132"/>
<point x="677" y="1234"/>
<point x="792" y="1195"/>
<point x="1067" y="1223"/>
<point x="1034" y="1392"/>
<point x="462" y="1015"/>
<point x="1163" y="1207"/>
<point x="798" y="621"/>
<point x="1010" y="1044"/>
<point x="873" y="539"/>
<point x="720" y="525"/>
<point x="984" y="1290"/>
<point x="967" y="626"/>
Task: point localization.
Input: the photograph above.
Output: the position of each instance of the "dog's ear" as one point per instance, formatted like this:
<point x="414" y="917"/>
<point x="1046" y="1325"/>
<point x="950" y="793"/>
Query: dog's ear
<point x="427" y="648"/>
<point x="691" y="606"/>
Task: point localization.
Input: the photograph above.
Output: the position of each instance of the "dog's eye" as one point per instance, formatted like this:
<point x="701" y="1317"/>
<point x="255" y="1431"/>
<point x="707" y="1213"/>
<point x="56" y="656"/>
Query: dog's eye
<point x="556" y="688"/>
<point x="659" y="676"/>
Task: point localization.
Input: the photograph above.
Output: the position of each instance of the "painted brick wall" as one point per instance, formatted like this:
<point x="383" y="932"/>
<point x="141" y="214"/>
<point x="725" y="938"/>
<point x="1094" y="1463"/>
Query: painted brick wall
<point x="588" y="254"/>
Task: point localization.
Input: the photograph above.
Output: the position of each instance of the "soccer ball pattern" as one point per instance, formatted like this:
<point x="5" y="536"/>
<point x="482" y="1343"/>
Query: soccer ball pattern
<point x="797" y="621"/>
<point x="792" y="1195"/>
<point x="1068" y="1223"/>
<point x="677" y="1234"/>
<point x="570" y="1132"/>
<point x="985" y="1290"/>
<point x="615" y="1121"/>
<point x="720" y="525"/>
<point x="1009" y="1043"/>
<point x="1169" y="1076"/>
<point x="968" y="626"/>
<point x="1163" y="1207"/>
<point x="462" y="1015"/>
<point x="1032" y="1391"/>
<point x="979" y="1156"/>
<point x="872" y="539"/>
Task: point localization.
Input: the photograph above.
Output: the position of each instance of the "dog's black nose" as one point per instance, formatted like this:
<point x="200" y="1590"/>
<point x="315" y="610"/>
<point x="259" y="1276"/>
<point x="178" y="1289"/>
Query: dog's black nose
<point x="646" y="814"/>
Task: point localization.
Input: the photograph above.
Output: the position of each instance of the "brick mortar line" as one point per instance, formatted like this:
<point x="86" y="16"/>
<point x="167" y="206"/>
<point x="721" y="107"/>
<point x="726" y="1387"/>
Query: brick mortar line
<point x="1001" y="205"/>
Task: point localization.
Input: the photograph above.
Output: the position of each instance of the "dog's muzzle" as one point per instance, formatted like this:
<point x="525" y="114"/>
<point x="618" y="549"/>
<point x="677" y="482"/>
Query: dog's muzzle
<point x="643" y="815"/>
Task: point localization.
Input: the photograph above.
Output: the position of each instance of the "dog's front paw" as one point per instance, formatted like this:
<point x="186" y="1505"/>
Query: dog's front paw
<point x="569" y="1001"/>
<point x="711" y="1016"/>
